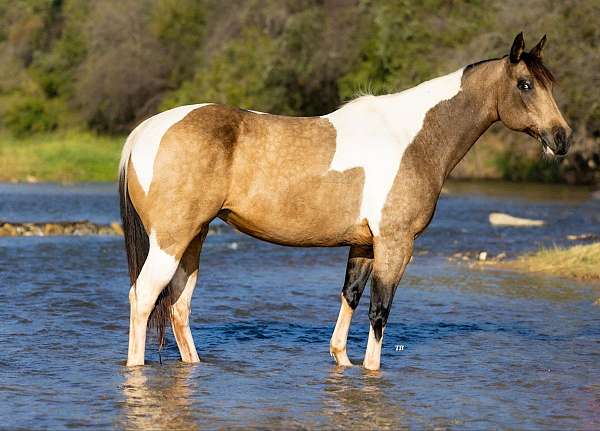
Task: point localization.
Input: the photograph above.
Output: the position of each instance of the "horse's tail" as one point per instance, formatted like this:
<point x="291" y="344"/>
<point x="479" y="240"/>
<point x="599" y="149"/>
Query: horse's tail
<point x="136" y="238"/>
<point x="137" y="246"/>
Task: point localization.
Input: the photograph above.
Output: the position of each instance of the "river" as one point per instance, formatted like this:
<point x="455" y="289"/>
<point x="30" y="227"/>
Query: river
<point x="465" y="348"/>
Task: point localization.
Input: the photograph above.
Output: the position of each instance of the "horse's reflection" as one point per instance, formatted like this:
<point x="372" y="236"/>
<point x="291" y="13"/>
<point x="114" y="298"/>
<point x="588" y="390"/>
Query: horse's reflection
<point x="158" y="399"/>
<point x="362" y="401"/>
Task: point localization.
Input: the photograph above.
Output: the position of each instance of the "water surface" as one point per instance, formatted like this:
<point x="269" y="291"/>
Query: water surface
<point x="464" y="349"/>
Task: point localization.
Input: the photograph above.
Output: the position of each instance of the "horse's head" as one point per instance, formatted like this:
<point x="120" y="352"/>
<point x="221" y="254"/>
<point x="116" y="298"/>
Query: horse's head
<point x="525" y="100"/>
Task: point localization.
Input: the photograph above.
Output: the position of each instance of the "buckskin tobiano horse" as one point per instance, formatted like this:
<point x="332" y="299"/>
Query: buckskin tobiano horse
<point x="367" y="176"/>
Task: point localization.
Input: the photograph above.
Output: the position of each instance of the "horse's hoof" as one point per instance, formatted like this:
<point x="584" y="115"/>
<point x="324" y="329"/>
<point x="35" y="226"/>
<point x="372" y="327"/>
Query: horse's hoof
<point x="341" y="358"/>
<point x="371" y="365"/>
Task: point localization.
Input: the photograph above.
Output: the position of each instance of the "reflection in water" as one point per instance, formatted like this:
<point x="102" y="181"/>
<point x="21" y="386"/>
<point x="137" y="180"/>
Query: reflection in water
<point x="494" y="280"/>
<point x="533" y="192"/>
<point x="158" y="398"/>
<point x="362" y="400"/>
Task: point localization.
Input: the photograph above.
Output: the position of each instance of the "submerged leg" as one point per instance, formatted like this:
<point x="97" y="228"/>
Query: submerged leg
<point x="156" y="273"/>
<point x="184" y="282"/>
<point x="391" y="257"/>
<point x="358" y="269"/>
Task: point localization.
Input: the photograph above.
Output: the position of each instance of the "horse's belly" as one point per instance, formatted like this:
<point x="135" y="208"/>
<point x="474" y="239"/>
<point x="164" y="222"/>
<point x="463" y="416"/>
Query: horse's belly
<point x="319" y="210"/>
<point x="306" y="233"/>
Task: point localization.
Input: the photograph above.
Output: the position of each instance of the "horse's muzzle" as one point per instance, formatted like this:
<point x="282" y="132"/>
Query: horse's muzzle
<point x="557" y="141"/>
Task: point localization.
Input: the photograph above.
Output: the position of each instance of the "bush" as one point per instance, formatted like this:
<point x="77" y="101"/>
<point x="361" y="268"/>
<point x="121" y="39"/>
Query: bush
<point x="238" y="76"/>
<point x="516" y="167"/>
<point x="29" y="115"/>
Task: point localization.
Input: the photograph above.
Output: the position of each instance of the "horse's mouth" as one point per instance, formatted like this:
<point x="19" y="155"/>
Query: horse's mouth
<point x="544" y="140"/>
<point x="548" y="150"/>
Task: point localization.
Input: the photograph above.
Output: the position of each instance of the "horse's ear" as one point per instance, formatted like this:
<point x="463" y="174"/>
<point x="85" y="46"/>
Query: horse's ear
<point x="517" y="49"/>
<point x="537" y="50"/>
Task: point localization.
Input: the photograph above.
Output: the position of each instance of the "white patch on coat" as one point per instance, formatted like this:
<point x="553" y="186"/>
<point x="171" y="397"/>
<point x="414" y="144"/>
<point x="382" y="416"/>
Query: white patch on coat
<point x="156" y="273"/>
<point x="163" y="265"/>
<point x="373" y="133"/>
<point x="143" y="142"/>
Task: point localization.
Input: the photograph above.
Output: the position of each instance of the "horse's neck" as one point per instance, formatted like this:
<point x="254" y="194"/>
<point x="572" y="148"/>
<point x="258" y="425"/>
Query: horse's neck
<point x="446" y="115"/>
<point x="459" y="123"/>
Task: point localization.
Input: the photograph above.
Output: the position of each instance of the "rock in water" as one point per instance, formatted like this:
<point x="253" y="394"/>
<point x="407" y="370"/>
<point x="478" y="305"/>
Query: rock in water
<point x="53" y="229"/>
<point x="117" y="228"/>
<point x="501" y="219"/>
<point x="8" y="229"/>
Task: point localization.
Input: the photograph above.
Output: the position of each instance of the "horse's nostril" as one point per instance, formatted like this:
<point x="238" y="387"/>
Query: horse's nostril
<point x="561" y="140"/>
<point x="560" y="135"/>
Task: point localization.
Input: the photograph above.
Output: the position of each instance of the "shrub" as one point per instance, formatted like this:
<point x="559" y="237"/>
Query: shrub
<point x="29" y="115"/>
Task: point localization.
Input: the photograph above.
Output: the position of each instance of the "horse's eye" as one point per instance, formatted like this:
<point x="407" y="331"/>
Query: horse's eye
<point x="524" y="84"/>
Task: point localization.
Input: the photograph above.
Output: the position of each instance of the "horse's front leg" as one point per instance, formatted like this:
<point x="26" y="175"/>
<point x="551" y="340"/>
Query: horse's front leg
<point x="358" y="269"/>
<point x="391" y="255"/>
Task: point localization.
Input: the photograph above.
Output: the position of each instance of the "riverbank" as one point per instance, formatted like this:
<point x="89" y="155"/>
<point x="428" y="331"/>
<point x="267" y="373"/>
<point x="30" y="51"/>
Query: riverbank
<point x="76" y="228"/>
<point x="580" y="262"/>
<point x="68" y="228"/>
<point x="63" y="157"/>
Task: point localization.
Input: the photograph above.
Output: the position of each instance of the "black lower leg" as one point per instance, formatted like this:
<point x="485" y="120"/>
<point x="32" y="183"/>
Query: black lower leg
<point x="358" y="270"/>
<point x="382" y="295"/>
<point x="392" y="254"/>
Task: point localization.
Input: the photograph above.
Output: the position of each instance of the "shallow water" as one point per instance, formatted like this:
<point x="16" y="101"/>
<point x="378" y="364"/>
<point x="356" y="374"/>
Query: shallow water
<point x="482" y="348"/>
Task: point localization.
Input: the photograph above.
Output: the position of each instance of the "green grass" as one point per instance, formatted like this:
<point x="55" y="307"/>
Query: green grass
<point x="66" y="156"/>
<point x="580" y="261"/>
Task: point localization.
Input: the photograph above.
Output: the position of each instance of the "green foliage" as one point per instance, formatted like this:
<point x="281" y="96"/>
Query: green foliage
<point x="63" y="156"/>
<point x="117" y="61"/>
<point x="259" y="70"/>
<point x="514" y="167"/>
<point x="29" y="115"/>
<point x="55" y="69"/>
<point x="408" y="42"/>
<point x="239" y="76"/>
<point x="180" y="26"/>
<point x="106" y="65"/>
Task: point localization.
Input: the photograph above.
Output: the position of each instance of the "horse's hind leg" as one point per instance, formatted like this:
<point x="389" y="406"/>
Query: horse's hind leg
<point x="156" y="273"/>
<point x="358" y="269"/>
<point x="183" y="283"/>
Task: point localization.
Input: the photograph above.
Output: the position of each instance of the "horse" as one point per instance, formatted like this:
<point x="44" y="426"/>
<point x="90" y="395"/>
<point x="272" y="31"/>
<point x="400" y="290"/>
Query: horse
<point x="366" y="176"/>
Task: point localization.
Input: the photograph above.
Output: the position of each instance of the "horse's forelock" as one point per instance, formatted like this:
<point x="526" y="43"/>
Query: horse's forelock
<point x="538" y="69"/>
